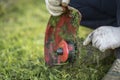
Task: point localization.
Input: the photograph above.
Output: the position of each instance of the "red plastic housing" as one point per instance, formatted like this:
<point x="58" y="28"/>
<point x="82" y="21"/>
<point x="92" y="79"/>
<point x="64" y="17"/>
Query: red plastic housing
<point x="54" y="37"/>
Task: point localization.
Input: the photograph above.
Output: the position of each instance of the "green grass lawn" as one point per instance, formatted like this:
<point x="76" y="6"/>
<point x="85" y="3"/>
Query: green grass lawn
<point x="22" y="44"/>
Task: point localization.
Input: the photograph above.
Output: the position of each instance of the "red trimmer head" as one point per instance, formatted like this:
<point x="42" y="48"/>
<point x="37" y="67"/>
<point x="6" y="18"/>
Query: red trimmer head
<point x="60" y="44"/>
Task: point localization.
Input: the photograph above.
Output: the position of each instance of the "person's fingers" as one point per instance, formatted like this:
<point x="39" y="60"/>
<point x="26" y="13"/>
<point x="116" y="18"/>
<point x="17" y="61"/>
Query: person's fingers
<point x="65" y="2"/>
<point x="58" y="2"/>
<point x="54" y="10"/>
<point x="54" y="13"/>
<point x="104" y="45"/>
<point x="95" y="42"/>
<point x="102" y="49"/>
<point x="54" y="2"/>
<point x="88" y="39"/>
<point x="100" y="42"/>
<point x="54" y="7"/>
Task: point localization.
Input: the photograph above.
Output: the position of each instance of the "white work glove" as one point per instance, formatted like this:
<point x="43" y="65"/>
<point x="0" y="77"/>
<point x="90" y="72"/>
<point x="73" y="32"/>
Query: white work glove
<point x="54" y="6"/>
<point x="104" y="37"/>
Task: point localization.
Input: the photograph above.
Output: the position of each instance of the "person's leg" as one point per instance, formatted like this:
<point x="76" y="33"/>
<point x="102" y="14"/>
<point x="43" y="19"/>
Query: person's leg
<point x="96" y="13"/>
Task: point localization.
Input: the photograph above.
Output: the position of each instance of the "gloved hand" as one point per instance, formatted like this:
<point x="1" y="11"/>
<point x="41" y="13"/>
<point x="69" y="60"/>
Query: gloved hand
<point x="105" y="37"/>
<point x="54" y="6"/>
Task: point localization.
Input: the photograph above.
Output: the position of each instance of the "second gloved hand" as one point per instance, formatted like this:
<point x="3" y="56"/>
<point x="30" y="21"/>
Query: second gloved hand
<point x="54" y="6"/>
<point x="105" y="37"/>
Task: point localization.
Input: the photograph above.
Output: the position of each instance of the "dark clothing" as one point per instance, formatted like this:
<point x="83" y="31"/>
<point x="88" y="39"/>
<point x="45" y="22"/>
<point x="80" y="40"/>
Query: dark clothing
<point x="97" y="13"/>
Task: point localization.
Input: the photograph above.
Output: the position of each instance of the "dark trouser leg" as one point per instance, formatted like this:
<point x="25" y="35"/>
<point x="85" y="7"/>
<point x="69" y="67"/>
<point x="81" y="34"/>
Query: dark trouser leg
<point x="118" y="12"/>
<point x="96" y="13"/>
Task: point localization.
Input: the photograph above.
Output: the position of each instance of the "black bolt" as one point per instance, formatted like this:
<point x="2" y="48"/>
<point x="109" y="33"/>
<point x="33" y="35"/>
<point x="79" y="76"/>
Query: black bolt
<point x="59" y="51"/>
